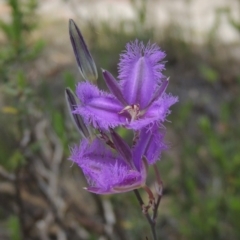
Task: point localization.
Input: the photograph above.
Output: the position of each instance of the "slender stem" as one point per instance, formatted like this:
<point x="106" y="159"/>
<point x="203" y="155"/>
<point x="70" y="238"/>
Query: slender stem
<point x="150" y="221"/>
<point x="149" y="192"/>
<point x="159" y="180"/>
<point x="159" y="192"/>
<point x="156" y="208"/>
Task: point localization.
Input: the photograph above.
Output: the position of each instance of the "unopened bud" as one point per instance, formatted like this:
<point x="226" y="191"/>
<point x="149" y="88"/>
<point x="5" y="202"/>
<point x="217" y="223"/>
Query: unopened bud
<point x="84" y="59"/>
<point x="77" y="119"/>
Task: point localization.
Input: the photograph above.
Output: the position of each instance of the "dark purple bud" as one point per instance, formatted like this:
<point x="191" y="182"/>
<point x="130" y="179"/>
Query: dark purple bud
<point x="113" y="86"/>
<point x="122" y="147"/>
<point x="77" y="119"/>
<point x="159" y="92"/>
<point x="84" y="59"/>
<point x="102" y="135"/>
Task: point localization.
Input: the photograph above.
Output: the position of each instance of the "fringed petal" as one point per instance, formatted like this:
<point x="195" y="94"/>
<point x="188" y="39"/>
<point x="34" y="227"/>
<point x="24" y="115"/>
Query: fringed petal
<point x="99" y="108"/>
<point x="156" y="113"/>
<point x="140" y="72"/>
<point x="150" y="145"/>
<point x="105" y="171"/>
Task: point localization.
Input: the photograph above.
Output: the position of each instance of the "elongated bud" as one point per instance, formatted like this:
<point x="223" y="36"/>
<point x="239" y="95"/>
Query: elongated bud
<point x="77" y="119"/>
<point x="122" y="147"/>
<point x="113" y="86"/>
<point x="84" y="59"/>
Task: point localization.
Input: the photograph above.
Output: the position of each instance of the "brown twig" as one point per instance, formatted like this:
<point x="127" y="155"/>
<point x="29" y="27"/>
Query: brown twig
<point x="6" y="175"/>
<point x="21" y="213"/>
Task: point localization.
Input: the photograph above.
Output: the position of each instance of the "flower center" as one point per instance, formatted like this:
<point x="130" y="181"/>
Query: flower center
<point x="133" y="110"/>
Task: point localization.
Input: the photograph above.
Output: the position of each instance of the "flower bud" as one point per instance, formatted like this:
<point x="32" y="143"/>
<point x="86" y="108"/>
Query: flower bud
<point x="77" y="119"/>
<point x="84" y="59"/>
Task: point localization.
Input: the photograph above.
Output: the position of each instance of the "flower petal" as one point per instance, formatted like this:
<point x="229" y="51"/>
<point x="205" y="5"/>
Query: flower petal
<point x="113" y="86"/>
<point x="121" y="188"/>
<point x="150" y="145"/>
<point x="159" y="92"/>
<point x="105" y="171"/>
<point x="160" y="108"/>
<point x="140" y="72"/>
<point x="157" y="112"/>
<point x="122" y="147"/>
<point x="99" y="108"/>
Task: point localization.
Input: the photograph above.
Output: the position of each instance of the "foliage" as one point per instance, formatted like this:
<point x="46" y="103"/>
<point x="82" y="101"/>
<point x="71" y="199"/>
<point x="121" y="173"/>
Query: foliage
<point x="14" y="228"/>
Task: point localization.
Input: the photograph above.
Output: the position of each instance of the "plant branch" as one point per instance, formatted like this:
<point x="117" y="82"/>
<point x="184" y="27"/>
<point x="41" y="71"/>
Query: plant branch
<point x="21" y="212"/>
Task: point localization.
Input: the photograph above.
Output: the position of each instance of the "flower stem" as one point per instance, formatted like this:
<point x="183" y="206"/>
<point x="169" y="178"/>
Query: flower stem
<point x="159" y="192"/>
<point x="149" y="219"/>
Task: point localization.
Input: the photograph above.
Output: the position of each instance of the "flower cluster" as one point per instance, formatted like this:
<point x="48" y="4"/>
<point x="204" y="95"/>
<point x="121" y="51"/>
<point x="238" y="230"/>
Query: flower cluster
<point x="136" y="101"/>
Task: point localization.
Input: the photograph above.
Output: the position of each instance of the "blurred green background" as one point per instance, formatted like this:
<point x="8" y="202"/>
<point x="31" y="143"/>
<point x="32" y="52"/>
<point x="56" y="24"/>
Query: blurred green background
<point x="41" y="195"/>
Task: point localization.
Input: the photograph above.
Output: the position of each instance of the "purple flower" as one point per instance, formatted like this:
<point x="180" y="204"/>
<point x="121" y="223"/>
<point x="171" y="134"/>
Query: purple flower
<point x="107" y="172"/>
<point x="120" y="170"/>
<point x="135" y="101"/>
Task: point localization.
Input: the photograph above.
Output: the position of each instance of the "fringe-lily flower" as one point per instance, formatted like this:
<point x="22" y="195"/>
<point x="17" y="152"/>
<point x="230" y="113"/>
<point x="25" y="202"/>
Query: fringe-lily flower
<point x="136" y="100"/>
<point x="107" y="171"/>
<point x="120" y="169"/>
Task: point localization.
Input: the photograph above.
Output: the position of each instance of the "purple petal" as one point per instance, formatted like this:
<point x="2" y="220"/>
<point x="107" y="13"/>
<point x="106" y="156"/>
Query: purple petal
<point x="96" y="151"/>
<point x="159" y="92"/>
<point x="113" y="86"/>
<point x="122" y="147"/>
<point x="150" y="145"/>
<point x="105" y="170"/>
<point x="160" y="108"/>
<point x="128" y="184"/>
<point x="140" y="72"/>
<point x="157" y="112"/>
<point x="99" y="108"/>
